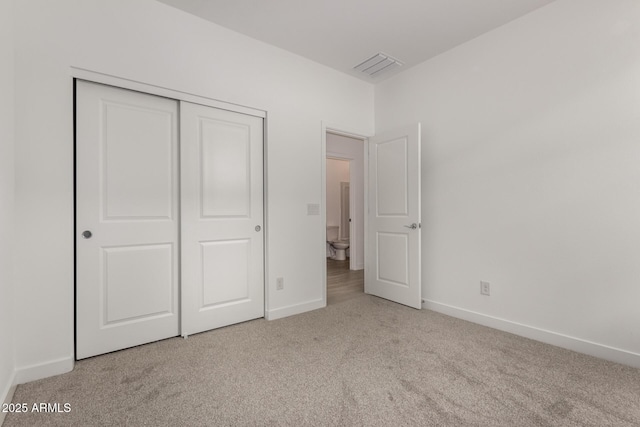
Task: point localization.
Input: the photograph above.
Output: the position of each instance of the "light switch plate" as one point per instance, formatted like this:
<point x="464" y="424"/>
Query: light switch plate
<point x="313" y="209"/>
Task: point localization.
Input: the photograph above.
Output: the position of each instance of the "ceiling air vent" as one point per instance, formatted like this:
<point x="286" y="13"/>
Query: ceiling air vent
<point x="378" y="64"/>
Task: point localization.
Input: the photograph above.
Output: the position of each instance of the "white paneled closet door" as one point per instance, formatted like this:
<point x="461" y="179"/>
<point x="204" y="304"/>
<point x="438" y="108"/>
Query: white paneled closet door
<point x="169" y="226"/>
<point x="126" y="219"/>
<point x="222" y="217"/>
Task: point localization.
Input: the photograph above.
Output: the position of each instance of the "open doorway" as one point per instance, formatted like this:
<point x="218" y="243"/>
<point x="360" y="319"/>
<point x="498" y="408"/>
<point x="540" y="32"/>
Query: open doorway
<point x="344" y="203"/>
<point x="338" y="207"/>
<point x="391" y="161"/>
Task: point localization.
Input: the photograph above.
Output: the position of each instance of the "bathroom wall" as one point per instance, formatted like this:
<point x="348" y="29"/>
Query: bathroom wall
<point x="353" y="149"/>
<point x="337" y="172"/>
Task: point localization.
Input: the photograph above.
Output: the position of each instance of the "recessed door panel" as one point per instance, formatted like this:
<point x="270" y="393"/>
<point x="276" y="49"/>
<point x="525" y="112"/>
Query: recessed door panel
<point x="225" y="276"/>
<point x="226" y="168"/>
<point x="126" y="219"/>
<point x="391" y="177"/>
<point x="137" y="282"/>
<point x="391" y="248"/>
<point x="137" y="149"/>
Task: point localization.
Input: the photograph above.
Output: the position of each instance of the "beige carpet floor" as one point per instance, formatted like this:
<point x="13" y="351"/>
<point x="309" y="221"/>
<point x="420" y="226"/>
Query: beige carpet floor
<point x="363" y="361"/>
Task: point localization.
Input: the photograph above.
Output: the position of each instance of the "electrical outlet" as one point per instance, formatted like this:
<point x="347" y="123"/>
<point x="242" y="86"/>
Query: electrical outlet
<point x="280" y="283"/>
<point x="485" y="288"/>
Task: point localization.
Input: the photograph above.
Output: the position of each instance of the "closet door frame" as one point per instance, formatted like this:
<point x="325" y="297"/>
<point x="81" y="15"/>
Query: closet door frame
<point x="106" y="79"/>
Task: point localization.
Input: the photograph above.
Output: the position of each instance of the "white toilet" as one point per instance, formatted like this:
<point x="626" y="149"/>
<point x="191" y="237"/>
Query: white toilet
<point x="340" y="246"/>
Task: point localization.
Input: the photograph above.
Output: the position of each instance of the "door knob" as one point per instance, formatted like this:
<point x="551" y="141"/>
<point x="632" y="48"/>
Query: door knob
<point x="258" y="228"/>
<point x="412" y="226"/>
<point x="86" y="234"/>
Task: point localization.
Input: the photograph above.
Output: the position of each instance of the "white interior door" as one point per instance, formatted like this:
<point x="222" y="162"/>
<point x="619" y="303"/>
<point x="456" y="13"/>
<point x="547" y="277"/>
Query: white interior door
<point x="393" y="230"/>
<point x="222" y="217"/>
<point x="126" y="219"/>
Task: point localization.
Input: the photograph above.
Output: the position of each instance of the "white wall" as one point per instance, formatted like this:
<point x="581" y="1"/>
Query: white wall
<point x="353" y="149"/>
<point x="150" y="42"/>
<point x="337" y="172"/>
<point x="531" y="174"/>
<point x="7" y="326"/>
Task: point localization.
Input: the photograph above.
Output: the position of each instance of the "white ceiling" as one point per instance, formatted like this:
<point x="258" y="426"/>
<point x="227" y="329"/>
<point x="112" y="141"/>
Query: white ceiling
<point x="343" y="33"/>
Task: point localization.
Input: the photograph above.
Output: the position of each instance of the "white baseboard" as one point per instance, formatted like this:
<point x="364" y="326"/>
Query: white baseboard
<point x="571" y="343"/>
<point x="290" y="310"/>
<point x="43" y="370"/>
<point x="7" y="395"/>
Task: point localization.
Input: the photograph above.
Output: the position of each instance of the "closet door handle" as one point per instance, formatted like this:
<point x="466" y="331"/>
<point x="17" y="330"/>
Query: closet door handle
<point x="258" y="228"/>
<point x="412" y="226"/>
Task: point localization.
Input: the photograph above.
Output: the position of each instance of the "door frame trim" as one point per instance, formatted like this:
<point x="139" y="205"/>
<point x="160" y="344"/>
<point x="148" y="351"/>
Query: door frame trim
<point x="77" y="73"/>
<point x="351" y="133"/>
